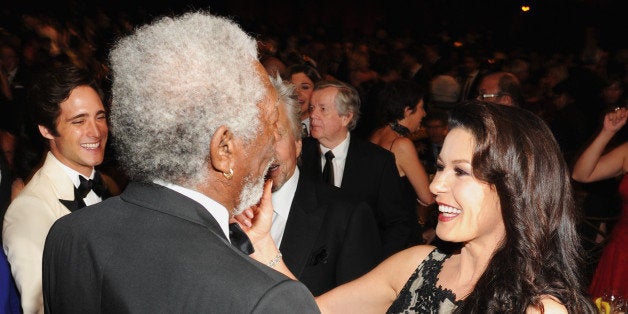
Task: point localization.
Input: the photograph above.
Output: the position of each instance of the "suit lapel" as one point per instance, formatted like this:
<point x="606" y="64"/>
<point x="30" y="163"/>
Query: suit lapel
<point x="62" y="184"/>
<point x="302" y="228"/>
<point x="311" y="156"/>
<point x="351" y="171"/>
<point x="71" y="205"/>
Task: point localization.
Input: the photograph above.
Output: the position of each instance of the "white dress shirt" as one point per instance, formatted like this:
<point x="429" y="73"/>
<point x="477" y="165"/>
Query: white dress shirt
<point x="340" y="157"/>
<point x="306" y="123"/>
<point x="91" y="198"/>
<point x="282" y="200"/>
<point x="219" y="212"/>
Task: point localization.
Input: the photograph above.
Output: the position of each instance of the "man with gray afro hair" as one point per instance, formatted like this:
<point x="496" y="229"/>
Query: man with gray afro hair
<point x="194" y="123"/>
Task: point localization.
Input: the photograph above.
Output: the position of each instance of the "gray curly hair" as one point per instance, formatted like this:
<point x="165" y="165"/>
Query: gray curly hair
<point x="175" y="82"/>
<point x="287" y="94"/>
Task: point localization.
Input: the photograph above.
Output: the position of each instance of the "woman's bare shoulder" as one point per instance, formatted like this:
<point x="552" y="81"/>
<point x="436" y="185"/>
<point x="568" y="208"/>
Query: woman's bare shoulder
<point x="403" y="145"/>
<point x="405" y="262"/>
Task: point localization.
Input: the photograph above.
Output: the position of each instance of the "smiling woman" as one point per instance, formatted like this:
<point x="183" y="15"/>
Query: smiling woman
<point x="504" y="191"/>
<point x="523" y="174"/>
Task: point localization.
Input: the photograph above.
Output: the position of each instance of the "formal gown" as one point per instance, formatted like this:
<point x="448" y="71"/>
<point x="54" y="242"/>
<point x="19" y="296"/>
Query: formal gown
<point x="611" y="274"/>
<point x="420" y="294"/>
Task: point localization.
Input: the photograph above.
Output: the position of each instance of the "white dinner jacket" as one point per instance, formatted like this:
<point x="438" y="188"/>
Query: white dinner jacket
<point x="26" y="224"/>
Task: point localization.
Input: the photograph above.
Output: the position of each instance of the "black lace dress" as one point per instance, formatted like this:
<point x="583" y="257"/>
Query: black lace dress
<point x="420" y="294"/>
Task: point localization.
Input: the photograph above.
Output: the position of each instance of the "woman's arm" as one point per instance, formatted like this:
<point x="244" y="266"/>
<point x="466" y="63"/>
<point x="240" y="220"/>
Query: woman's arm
<point x="375" y="291"/>
<point x="372" y="293"/>
<point x="591" y="165"/>
<point x="408" y="161"/>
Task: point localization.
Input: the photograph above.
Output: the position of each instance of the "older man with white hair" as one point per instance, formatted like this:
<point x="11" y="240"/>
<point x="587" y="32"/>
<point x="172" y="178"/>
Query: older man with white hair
<point x="194" y="120"/>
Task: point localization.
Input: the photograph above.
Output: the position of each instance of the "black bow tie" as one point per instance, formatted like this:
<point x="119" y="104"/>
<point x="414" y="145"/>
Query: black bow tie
<point x="239" y="239"/>
<point x="95" y="185"/>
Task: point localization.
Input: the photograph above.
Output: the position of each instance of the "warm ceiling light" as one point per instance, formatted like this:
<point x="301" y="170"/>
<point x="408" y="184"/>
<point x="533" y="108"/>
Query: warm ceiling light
<point x="525" y="8"/>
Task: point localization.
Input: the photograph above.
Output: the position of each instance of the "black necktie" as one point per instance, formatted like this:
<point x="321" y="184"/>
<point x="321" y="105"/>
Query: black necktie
<point x="328" y="170"/>
<point x="239" y="239"/>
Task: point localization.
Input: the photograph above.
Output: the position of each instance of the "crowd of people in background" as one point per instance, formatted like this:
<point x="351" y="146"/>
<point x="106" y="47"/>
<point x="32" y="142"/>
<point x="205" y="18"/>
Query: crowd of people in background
<point x="571" y="92"/>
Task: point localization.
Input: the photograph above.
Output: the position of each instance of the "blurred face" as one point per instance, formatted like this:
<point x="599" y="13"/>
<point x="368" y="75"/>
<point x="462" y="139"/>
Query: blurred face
<point x="7" y="144"/>
<point x="470" y="64"/>
<point x="327" y="125"/>
<point x="612" y="93"/>
<point x="258" y="154"/>
<point x="304" y="87"/>
<point x="436" y="131"/>
<point x="469" y="209"/>
<point x="489" y="91"/>
<point x="8" y="59"/>
<point x="82" y="131"/>
<point x="287" y="151"/>
<point x="488" y="85"/>
<point x="413" y="119"/>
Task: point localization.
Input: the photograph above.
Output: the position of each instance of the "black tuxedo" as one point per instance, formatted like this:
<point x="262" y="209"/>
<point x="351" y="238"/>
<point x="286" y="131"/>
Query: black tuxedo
<point x="328" y="241"/>
<point x="153" y="250"/>
<point x="370" y="175"/>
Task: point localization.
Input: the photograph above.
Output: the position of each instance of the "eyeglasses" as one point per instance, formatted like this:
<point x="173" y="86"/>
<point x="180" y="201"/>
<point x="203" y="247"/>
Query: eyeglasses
<point x="486" y="96"/>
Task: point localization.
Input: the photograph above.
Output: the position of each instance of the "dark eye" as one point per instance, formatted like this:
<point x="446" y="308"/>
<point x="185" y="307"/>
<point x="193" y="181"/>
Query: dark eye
<point x="439" y="167"/>
<point x="78" y="122"/>
<point x="460" y="172"/>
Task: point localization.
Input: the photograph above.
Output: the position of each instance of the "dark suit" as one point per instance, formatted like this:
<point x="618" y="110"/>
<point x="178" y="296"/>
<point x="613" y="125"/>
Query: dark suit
<point x="370" y="175"/>
<point x="153" y="250"/>
<point x="328" y="241"/>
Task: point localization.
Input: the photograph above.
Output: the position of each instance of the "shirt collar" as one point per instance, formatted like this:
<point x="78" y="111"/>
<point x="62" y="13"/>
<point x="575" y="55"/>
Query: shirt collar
<point x="282" y="198"/>
<point x="219" y="212"/>
<point x="73" y="174"/>
<point x="340" y="151"/>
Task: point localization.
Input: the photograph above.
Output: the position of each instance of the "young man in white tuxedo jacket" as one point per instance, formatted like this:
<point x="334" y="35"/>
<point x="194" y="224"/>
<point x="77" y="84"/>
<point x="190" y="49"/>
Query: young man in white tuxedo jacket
<point x="70" y="115"/>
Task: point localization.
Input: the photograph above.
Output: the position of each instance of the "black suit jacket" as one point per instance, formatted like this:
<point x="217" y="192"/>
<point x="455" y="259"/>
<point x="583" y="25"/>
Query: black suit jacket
<point x="370" y="175"/>
<point x="153" y="250"/>
<point x="328" y="241"/>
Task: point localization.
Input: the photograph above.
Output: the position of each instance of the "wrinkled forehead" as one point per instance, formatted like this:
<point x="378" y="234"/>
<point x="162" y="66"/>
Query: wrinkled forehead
<point x="326" y="96"/>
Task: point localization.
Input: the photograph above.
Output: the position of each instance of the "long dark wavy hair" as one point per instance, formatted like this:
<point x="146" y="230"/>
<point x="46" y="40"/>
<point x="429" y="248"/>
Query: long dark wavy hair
<point x="541" y="255"/>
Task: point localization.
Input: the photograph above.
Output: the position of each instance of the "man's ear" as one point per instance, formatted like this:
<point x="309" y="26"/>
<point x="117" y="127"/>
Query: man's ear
<point x="221" y="150"/>
<point x="346" y="119"/>
<point x="407" y="111"/>
<point x="45" y="132"/>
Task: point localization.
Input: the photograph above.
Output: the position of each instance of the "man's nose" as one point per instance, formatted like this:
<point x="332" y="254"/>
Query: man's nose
<point x="93" y="129"/>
